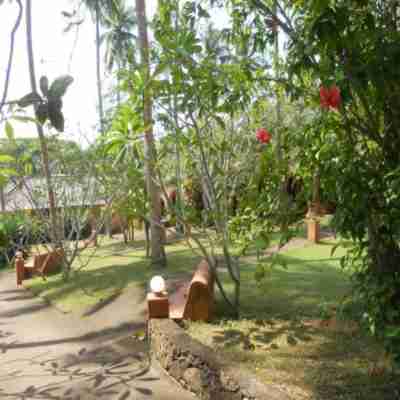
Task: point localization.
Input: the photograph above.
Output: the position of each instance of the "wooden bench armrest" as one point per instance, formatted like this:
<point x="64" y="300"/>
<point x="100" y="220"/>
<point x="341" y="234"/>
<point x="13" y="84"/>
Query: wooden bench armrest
<point x="194" y="299"/>
<point x="177" y="301"/>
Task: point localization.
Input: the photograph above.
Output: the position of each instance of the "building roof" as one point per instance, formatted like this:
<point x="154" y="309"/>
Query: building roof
<point x="70" y="191"/>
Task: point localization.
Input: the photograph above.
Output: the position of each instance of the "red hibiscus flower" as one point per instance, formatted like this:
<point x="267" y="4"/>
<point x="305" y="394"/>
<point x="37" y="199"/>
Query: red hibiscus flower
<point x="330" y="97"/>
<point x="263" y="136"/>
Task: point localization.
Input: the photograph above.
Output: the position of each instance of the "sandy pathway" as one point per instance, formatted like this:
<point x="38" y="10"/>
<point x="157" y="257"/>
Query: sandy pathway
<point x="45" y="354"/>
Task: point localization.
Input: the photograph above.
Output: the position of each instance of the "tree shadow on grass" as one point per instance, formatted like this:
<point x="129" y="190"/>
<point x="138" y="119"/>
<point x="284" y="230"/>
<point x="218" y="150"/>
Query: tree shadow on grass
<point x="100" y="285"/>
<point x="351" y="366"/>
<point x="324" y="363"/>
<point x="283" y="332"/>
<point x="263" y="334"/>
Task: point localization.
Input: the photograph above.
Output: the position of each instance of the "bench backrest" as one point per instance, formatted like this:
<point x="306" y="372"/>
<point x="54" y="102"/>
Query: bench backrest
<point x="48" y="262"/>
<point x="200" y="295"/>
<point x="39" y="260"/>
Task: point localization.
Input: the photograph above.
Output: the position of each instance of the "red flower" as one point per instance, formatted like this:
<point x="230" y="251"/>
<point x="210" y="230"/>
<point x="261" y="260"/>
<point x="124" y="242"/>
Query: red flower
<point x="324" y="95"/>
<point x="172" y="196"/>
<point x="336" y="99"/>
<point x="330" y="97"/>
<point x="263" y="136"/>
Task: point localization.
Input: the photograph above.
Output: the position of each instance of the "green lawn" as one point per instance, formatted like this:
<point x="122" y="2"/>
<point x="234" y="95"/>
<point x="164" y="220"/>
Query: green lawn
<point x="286" y="334"/>
<point x="107" y="270"/>
<point x="295" y="331"/>
<point x="98" y="274"/>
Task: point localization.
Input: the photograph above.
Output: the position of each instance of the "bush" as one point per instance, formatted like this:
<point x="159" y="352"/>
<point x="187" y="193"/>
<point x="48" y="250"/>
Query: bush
<point x="16" y="232"/>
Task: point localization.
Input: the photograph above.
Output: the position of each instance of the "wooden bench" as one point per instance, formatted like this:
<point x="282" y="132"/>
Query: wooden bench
<point x="90" y="241"/>
<point x="41" y="264"/>
<point x="194" y="300"/>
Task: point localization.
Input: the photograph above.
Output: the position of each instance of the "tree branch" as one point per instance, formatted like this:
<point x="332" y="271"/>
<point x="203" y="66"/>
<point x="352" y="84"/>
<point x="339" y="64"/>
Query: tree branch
<point x="11" y="54"/>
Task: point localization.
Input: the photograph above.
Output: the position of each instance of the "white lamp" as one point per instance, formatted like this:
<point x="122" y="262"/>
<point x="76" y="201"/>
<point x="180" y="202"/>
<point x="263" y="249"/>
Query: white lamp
<point x="157" y="284"/>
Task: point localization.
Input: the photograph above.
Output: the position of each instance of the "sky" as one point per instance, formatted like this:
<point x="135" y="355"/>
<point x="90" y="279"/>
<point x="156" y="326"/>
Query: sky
<point x="52" y="49"/>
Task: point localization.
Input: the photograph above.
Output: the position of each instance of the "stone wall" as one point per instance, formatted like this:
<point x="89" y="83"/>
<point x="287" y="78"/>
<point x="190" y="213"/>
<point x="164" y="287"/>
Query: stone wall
<point x="197" y="368"/>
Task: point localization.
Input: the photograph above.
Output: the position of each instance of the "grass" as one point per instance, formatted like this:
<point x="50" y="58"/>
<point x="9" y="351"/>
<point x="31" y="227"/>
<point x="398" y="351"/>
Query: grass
<point x="291" y="334"/>
<point x="110" y="268"/>
<point x="288" y="334"/>
<point x="107" y="270"/>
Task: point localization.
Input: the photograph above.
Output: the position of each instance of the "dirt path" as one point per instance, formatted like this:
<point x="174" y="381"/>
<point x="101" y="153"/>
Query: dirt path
<point x="45" y="354"/>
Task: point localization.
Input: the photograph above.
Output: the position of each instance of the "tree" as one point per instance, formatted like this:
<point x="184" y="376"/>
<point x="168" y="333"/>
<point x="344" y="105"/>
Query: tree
<point x="98" y="9"/>
<point x="119" y="38"/>
<point x="153" y="191"/>
<point x="39" y="127"/>
<point x="6" y="172"/>
<point x="350" y="48"/>
<point x="208" y="94"/>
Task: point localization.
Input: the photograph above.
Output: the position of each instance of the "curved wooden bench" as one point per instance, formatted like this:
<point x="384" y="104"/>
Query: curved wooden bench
<point x="194" y="300"/>
<point x="90" y="241"/>
<point x="41" y="264"/>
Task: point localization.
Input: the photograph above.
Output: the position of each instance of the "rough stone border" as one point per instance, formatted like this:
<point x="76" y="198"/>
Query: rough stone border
<point x="196" y="367"/>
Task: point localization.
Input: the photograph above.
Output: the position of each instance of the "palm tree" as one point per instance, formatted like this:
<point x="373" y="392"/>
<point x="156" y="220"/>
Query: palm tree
<point x="119" y="36"/>
<point x="153" y="190"/>
<point x="98" y="9"/>
<point x="119" y="39"/>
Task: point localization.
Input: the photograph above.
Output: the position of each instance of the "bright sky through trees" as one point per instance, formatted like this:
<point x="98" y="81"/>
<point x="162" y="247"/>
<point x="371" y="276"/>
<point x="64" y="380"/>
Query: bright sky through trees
<point x="53" y="58"/>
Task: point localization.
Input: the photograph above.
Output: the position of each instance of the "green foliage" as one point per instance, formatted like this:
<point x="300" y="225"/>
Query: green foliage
<point x="58" y="88"/>
<point x="355" y="44"/>
<point x="29" y="100"/>
<point x="15" y="232"/>
<point x="44" y="85"/>
<point x="48" y="107"/>
<point x="122" y="150"/>
<point x="23" y="156"/>
<point x="250" y="229"/>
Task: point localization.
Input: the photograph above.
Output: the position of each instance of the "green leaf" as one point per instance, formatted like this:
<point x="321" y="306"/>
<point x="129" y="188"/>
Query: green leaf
<point x="56" y="118"/>
<point x="9" y="131"/>
<point x="392" y="332"/>
<point x="260" y="243"/>
<point x="44" y="85"/>
<point x="42" y="113"/>
<point x="6" y="173"/>
<point x="60" y="85"/>
<point x="28" y="169"/>
<point x="6" y="159"/>
<point x="220" y="121"/>
<point x="29" y="100"/>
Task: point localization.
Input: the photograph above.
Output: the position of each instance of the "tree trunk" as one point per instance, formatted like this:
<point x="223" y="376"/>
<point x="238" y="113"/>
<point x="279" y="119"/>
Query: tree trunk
<point x="42" y="138"/>
<point x="2" y="199"/>
<point x="98" y="72"/>
<point x="157" y="247"/>
<point x="316" y="198"/>
<point x="179" y="196"/>
<point x="118" y="84"/>
<point x="283" y="196"/>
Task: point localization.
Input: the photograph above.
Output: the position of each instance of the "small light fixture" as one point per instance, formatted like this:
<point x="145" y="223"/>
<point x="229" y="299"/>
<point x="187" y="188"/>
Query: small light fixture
<point x="157" y="284"/>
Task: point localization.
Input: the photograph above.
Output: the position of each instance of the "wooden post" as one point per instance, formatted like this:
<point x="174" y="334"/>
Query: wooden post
<point x="313" y="230"/>
<point x="19" y="267"/>
<point x="158" y="305"/>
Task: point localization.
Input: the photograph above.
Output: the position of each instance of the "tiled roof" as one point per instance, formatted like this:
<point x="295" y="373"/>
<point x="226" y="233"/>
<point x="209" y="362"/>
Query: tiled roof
<point x="70" y="191"/>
